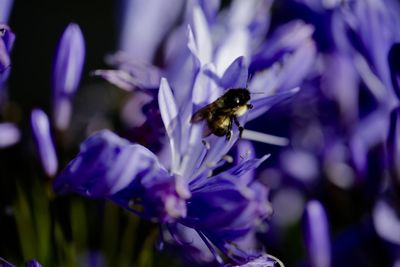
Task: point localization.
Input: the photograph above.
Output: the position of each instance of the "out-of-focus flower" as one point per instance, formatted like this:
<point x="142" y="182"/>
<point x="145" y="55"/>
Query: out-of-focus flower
<point x="387" y="221"/>
<point x="44" y="143"/>
<point x="33" y="263"/>
<point x="9" y="134"/>
<point x="67" y="72"/>
<point x="141" y="43"/>
<point x="30" y="263"/>
<point x="317" y="236"/>
<point x="7" y="38"/>
<point x="5" y="10"/>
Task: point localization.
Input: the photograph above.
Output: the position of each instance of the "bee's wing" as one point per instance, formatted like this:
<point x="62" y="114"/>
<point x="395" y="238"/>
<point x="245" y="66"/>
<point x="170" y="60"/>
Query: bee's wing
<point x="202" y="114"/>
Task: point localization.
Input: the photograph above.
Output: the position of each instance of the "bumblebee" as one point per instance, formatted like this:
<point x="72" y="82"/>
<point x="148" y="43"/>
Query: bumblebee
<point x="223" y="112"/>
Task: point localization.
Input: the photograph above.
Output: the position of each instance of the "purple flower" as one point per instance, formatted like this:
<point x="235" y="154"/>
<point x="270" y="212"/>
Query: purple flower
<point x="44" y="143"/>
<point x="67" y="72"/>
<point x="223" y="207"/>
<point x="316" y="230"/>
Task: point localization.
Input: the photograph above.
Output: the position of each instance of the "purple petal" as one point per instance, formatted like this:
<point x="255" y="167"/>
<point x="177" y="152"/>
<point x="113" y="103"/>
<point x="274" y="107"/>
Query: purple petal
<point x="205" y="90"/>
<point x="156" y="192"/>
<point x="170" y="117"/>
<point x="9" y="134"/>
<point x="321" y="6"/>
<point x="226" y="206"/>
<point x="105" y="165"/>
<point x="253" y="15"/>
<point x="200" y="39"/>
<point x="132" y="112"/>
<point x="141" y="42"/>
<point x="286" y="39"/>
<point x="261" y="105"/>
<point x="33" y="263"/>
<point x="44" y="143"/>
<point x="340" y="81"/>
<point x="210" y="8"/>
<point x="131" y="73"/>
<point x="5" y="10"/>
<point x="235" y="45"/>
<point x="69" y="61"/>
<point x="67" y="72"/>
<point x="386" y="222"/>
<point x="108" y="166"/>
<point x="317" y="236"/>
<point x="225" y="209"/>
<point x="297" y="66"/>
<point x="236" y="74"/>
<point x="370" y="131"/>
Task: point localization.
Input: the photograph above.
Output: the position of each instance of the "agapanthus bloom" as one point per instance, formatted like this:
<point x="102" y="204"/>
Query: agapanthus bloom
<point x="184" y="189"/>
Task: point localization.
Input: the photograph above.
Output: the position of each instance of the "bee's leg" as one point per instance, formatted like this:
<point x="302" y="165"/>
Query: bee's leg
<point x="235" y="119"/>
<point x="249" y="106"/>
<point x="229" y="133"/>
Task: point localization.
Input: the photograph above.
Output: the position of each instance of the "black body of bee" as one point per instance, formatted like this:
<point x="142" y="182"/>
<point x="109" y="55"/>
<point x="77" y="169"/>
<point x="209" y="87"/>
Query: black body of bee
<point x="221" y="113"/>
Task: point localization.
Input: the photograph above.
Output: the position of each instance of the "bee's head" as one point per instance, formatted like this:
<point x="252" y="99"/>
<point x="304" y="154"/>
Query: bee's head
<point x="236" y="97"/>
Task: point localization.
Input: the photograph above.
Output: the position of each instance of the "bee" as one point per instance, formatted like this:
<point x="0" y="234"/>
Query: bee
<point x="223" y="112"/>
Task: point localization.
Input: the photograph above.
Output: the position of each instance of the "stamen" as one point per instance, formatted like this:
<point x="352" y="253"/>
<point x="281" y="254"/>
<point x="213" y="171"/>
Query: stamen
<point x="276" y="259"/>
<point x="246" y="154"/>
<point x="176" y="238"/>
<point x="227" y="158"/>
<point x="212" y="250"/>
<point x="265" y="138"/>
